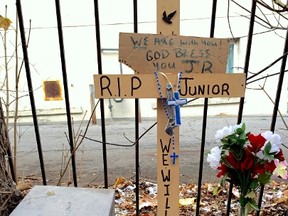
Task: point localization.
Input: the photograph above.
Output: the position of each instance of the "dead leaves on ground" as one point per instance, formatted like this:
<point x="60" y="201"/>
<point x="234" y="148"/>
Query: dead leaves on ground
<point x="213" y="199"/>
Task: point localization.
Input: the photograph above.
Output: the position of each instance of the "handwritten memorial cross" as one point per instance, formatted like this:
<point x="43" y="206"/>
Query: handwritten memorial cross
<point x="202" y="62"/>
<point x="168" y="183"/>
<point x="143" y="85"/>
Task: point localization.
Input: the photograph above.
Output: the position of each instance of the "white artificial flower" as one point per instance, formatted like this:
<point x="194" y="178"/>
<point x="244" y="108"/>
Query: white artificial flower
<point x="260" y="155"/>
<point x="274" y="139"/>
<point x="225" y="131"/>
<point x="214" y="157"/>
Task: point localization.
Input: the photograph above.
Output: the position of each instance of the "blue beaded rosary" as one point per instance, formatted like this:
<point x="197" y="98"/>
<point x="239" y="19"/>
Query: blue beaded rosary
<point x="171" y="108"/>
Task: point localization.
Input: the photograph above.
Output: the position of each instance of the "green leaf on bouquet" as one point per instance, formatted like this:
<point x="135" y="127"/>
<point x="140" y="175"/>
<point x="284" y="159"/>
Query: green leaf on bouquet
<point x="223" y="180"/>
<point x="267" y="148"/>
<point x="254" y="184"/>
<point x="253" y="204"/>
<point x="264" y="178"/>
<point x="239" y="131"/>
<point x="224" y="141"/>
<point x="243" y="136"/>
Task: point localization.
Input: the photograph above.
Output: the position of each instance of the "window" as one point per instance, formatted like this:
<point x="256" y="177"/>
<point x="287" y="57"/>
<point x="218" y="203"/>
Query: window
<point x="52" y="90"/>
<point x="232" y="55"/>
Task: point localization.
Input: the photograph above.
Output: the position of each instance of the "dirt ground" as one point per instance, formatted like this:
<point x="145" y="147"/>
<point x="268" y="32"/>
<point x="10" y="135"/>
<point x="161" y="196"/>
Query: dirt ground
<point x="121" y="160"/>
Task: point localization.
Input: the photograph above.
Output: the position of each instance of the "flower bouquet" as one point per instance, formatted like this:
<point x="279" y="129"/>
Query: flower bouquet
<point x="247" y="160"/>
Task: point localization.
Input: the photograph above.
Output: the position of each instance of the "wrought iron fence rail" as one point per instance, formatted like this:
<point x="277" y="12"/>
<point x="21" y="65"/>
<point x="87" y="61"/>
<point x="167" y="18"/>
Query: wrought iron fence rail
<point x="137" y="119"/>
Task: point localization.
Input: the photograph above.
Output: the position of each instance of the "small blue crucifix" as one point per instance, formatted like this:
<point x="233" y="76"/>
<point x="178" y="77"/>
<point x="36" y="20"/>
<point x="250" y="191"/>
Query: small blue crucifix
<point x="174" y="156"/>
<point x="176" y="102"/>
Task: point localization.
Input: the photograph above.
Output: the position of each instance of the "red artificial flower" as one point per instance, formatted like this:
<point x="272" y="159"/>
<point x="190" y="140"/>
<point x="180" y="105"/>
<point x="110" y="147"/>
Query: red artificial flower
<point x="256" y="142"/>
<point x="223" y="170"/>
<point x="280" y="156"/>
<point x="258" y="169"/>
<point x="233" y="162"/>
<point x="270" y="166"/>
<point x="248" y="161"/>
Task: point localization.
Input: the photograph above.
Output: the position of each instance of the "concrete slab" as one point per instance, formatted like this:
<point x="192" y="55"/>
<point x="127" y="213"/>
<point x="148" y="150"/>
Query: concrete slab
<point x="70" y="201"/>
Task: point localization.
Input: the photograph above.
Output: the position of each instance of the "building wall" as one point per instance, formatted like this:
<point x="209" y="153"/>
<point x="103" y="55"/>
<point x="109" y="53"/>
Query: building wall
<point x="81" y="56"/>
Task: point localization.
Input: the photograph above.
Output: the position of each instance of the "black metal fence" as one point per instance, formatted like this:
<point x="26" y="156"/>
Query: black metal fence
<point x="254" y="5"/>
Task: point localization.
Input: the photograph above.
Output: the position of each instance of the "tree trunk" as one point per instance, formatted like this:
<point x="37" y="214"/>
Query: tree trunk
<point x="9" y="195"/>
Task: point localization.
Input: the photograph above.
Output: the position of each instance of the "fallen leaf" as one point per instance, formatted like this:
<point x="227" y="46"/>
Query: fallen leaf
<point x="250" y="195"/>
<point x="147" y="201"/>
<point x="50" y="193"/>
<point x="236" y="192"/>
<point x="119" y="181"/>
<point x="22" y="186"/>
<point x="215" y="190"/>
<point x="187" y="201"/>
<point x="285" y="193"/>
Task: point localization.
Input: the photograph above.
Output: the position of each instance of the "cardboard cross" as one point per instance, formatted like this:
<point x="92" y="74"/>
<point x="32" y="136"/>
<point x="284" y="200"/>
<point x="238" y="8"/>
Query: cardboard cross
<point x="203" y="64"/>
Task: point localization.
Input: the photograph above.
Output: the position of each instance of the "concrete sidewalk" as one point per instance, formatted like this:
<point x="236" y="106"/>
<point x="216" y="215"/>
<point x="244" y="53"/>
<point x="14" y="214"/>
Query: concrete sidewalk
<point x="121" y="160"/>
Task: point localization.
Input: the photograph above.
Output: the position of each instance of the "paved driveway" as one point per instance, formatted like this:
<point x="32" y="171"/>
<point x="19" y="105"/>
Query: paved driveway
<point x="121" y="161"/>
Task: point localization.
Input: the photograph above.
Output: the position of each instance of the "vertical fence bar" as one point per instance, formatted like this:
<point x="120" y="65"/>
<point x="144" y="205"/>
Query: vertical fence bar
<point x="66" y="91"/>
<point x="248" y="53"/>
<point x="242" y="99"/>
<point x="137" y="107"/>
<point x="276" y="106"/>
<point x="30" y="89"/>
<point x="204" y="123"/>
<point x="102" y="108"/>
<point x="10" y="161"/>
<point x="280" y="84"/>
